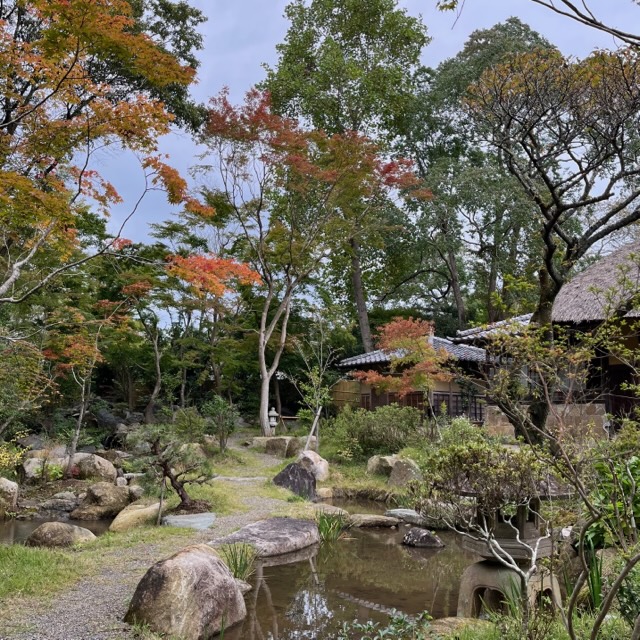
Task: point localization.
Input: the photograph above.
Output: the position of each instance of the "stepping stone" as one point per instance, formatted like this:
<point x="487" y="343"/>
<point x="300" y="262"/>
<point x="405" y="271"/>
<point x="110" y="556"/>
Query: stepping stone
<point x="198" y="521"/>
<point x="407" y="515"/>
<point x="274" y="536"/>
<point x="239" y="480"/>
<point x="368" y="520"/>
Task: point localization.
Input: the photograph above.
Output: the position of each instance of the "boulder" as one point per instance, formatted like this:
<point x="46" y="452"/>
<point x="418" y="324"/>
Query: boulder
<point x="121" y="482"/>
<point x="31" y="468"/>
<point x="58" y="504"/>
<point x="8" y="496"/>
<point x="58" y="451"/>
<point x="403" y="472"/>
<point x="298" y="480"/>
<point x="296" y="445"/>
<point x="409" y="516"/>
<point x="103" y="500"/>
<point x="32" y="441"/>
<point x="91" y="466"/>
<point x="417" y="537"/>
<point x="58" y="534"/>
<point x="314" y="463"/>
<point x="260" y="442"/>
<point x="135" y="492"/>
<point x="135" y="515"/>
<point x="324" y="493"/>
<point x="277" y="446"/>
<point x="106" y="420"/>
<point x="367" y="520"/>
<point x="244" y="587"/>
<point x="191" y="595"/>
<point x="275" y="536"/>
<point x="381" y="465"/>
<point x="64" y="495"/>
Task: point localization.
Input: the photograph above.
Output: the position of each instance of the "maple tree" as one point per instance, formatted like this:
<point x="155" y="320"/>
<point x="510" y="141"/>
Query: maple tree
<point x="60" y="62"/>
<point x="284" y="188"/>
<point x="415" y="364"/>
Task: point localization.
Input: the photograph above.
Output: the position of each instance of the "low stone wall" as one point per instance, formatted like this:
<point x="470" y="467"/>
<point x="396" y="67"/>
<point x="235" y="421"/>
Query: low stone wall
<point x="576" y="421"/>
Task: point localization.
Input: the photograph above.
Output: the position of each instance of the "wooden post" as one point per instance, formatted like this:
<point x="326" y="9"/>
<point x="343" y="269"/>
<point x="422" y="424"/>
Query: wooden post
<point x="313" y="428"/>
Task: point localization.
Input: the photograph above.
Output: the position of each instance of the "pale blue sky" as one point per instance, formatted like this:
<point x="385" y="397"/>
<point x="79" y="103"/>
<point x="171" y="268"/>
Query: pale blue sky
<point x="242" y="34"/>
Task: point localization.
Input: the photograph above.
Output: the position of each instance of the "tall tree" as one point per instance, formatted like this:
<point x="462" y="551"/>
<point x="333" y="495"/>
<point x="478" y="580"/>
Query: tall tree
<point x="345" y="66"/>
<point x="75" y="77"/>
<point x="283" y="188"/>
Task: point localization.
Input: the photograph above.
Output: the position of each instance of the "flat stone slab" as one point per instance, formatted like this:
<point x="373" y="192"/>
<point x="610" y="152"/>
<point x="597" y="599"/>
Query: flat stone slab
<point x="198" y="521"/>
<point x="368" y="520"/>
<point x="274" y="536"/>
<point x="240" y="480"/>
<point x="407" y="515"/>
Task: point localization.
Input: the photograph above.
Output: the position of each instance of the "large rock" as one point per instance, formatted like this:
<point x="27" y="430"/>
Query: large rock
<point x="57" y="451"/>
<point x="417" y="537"/>
<point x="103" y="500"/>
<point x="298" y="480"/>
<point x="381" y="465"/>
<point x="366" y="520"/>
<point x="296" y="445"/>
<point x="58" y="534"/>
<point x="191" y="595"/>
<point x="89" y="466"/>
<point x="404" y="472"/>
<point x="135" y="515"/>
<point x="314" y="463"/>
<point x="407" y="515"/>
<point x="275" y="536"/>
<point x="58" y="504"/>
<point x="8" y="496"/>
<point x="277" y="446"/>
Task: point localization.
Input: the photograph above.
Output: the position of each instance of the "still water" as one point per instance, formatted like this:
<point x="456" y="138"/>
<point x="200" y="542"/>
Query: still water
<point x="362" y="576"/>
<point x="17" y="531"/>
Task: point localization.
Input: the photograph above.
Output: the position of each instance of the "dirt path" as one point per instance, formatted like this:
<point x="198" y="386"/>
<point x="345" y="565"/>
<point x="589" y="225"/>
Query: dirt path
<point x="93" y="608"/>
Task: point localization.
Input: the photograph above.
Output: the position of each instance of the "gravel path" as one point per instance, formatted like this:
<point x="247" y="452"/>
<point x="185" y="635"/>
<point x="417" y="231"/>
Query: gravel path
<point x="93" y="608"/>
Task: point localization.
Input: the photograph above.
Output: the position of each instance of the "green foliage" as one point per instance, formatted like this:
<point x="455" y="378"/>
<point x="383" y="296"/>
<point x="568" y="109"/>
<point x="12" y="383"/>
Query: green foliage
<point x="616" y="495"/>
<point x="400" y="627"/>
<point x="331" y="526"/>
<point x="594" y="578"/>
<point x="11" y="455"/>
<point x="629" y="596"/>
<point x="358" y="434"/>
<point x="240" y="559"/>
<point x="222" y="419"/>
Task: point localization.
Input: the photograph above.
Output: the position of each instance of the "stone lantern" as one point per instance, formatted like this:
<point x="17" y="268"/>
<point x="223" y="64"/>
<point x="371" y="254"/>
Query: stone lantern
<point x="273" y="420"/>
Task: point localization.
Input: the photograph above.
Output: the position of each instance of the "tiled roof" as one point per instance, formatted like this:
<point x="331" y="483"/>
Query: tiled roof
<point x="457" y="351"/>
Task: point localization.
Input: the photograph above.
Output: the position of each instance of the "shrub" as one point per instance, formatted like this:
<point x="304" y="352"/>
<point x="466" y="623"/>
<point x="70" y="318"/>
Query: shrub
<point x="400" y="627"/>
<point x="359" y="434"/>
<point x="222" y="419"/>
<point x="629" y="596"/>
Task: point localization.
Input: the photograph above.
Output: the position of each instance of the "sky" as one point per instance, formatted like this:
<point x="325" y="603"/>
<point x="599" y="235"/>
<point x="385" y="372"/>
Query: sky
<point x="241" y="35"/>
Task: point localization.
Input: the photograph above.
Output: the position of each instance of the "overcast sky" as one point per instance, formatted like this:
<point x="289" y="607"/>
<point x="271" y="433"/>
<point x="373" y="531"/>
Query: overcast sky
<point x="241" y="35"/>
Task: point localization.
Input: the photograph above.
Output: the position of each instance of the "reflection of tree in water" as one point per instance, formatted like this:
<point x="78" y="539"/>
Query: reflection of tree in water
<point x="357" y="578"/>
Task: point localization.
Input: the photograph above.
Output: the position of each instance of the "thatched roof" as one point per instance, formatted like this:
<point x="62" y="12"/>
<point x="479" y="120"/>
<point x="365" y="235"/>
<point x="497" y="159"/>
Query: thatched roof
<point x="608" y="285"/>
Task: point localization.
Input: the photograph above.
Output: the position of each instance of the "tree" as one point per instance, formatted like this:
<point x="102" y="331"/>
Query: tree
<point x="580" y="12"/>
<point x="283" y="188"/>
<point x="65" y="66"/>
<point x="492" y="220"/>
<point x="415" y="363"/>
<point x="346" y="66"/>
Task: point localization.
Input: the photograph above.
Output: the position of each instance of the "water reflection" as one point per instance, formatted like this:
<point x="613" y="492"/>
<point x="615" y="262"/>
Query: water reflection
<point x="362" y="577"/>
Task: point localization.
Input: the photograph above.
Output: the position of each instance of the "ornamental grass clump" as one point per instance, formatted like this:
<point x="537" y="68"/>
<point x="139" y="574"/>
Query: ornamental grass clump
<point x="331" y="526"/>
<point x="240" y="558"/>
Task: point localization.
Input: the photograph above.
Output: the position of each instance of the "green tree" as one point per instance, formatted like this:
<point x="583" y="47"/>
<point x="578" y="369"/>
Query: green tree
<point x="347" y="66"/>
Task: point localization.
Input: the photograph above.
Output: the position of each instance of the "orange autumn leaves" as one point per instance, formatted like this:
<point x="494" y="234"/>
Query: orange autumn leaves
<point x="415" y="362"/>
<point x="210" y="274"/>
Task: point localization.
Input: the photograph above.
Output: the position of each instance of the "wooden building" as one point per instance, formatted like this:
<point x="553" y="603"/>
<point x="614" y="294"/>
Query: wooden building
<point x="609" y="287"/>
<point x="450" y="397"/>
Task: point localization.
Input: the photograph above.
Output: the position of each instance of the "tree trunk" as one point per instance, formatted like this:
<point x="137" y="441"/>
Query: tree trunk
<point x="264" y="403"/>
<point x="276" y="393"/>
<point x="149" y="409"/>
<point x="359" y="297"/>
<point x="84" y="403"/>
<point x="456" y="288"/>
